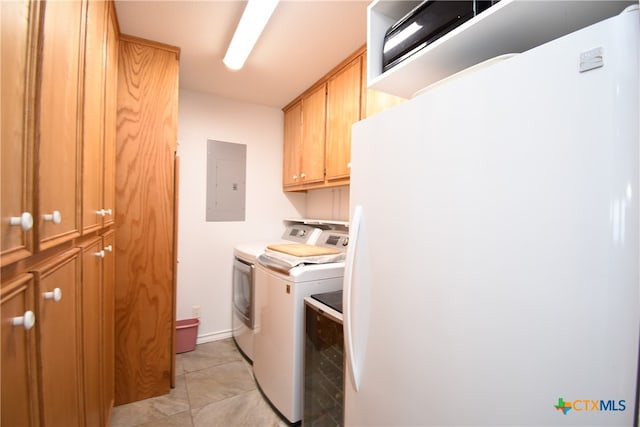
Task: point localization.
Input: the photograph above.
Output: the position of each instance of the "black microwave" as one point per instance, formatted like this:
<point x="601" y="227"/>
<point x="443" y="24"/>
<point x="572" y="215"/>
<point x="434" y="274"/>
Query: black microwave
<point x="423" y="25"/>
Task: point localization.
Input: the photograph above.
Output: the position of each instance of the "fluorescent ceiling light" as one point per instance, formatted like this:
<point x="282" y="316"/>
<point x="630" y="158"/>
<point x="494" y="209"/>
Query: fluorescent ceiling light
<point x="254" y="19"/>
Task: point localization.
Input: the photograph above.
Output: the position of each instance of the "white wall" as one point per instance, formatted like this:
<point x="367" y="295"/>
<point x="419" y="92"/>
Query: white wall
<point x="205" y="249"/>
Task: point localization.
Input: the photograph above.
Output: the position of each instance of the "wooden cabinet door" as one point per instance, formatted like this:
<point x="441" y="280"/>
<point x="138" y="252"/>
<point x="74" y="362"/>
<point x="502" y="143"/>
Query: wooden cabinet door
<point x="19" y="396"/>
<point x="92" y="315"/>
<point x="18" y="49"/>
<point x="292" y="149"/>
<point x="379" y="101"/>
<point x="313" y="136"/>
<point x="58" y="297"/>
<point x="108" y="300"/>
<point x="343" y="110"/>
<point x="58" y="145"/>
<point x="93" y="117"/>
<point x="111" y="93"/>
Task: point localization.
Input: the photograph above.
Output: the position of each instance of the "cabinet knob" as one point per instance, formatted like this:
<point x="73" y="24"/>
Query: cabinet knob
<point x="302" y="175"/>
<point x="27" y="320"/>
<point x="349" y="165"/>
<point x="55" y="295"/>
<point x="100" y="254"/>
<point x="108" y="248"/>
<point x="295" y="177"/>
<point x="104" y="212"/>
<point x="55" y="217"/>
<point x="25" y="221"/>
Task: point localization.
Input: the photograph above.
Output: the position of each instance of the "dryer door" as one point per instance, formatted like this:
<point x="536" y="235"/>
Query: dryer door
<point x="243" y="290"/>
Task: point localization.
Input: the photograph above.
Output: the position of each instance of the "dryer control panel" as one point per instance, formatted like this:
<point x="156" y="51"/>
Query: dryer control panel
<point x="333" y="239"/>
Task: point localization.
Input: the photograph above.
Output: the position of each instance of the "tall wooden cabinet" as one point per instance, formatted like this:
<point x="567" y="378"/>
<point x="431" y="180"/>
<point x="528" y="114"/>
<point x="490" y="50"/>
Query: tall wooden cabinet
<point x="145" y="219"/>
<point x="58" y="102"/>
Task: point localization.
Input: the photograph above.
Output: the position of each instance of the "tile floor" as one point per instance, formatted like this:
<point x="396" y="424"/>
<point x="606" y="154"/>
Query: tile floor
<point x="214" y="387"/>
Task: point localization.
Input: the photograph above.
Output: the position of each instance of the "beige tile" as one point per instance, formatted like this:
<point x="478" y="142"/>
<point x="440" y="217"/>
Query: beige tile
<point x="214" y="384"/>
<point x="181" y="419"/>
<point x="179" y="365"/>
<point x="210" y="354"/>
<point x="156" y="408"/>
<point x="219" y="382"/>
<point x="247" y="409"/>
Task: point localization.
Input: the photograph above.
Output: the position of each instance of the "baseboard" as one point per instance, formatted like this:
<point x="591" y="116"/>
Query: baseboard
<point x="214" y="336"/>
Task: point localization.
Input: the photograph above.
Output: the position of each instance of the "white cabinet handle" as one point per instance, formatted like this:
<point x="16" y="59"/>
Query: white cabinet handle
<point x="55" y="217"/>
<point x="100" y="254"/>
<point x="295" y="177"/>
<point x="28" y="320"/>
<point x="25" y="221"/>
<point x="349" y="165"/>
<point x="108" y="248"/>
<point x="104" y="212"/>
<point x="302" y="175"/>
<point x="55" y="295"/>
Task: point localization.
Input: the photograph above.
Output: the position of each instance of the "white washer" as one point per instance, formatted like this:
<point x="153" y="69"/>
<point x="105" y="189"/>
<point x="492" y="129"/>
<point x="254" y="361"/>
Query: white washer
<point x="279" y="331"/>
<point x="243" y="280"/>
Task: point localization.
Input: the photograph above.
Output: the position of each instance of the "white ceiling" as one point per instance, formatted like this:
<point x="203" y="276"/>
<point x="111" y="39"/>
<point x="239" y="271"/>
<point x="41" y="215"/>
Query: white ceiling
<point x="303" y="40"/>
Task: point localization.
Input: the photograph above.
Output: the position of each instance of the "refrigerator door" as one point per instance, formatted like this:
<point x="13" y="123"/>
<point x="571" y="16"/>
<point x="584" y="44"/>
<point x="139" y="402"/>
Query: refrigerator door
<point x="495" y="275"/>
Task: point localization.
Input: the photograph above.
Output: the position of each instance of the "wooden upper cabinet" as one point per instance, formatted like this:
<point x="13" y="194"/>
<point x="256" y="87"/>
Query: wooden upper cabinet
<point x="379" y="101"/>
<point x="292" y="144"/>
<point x="313" y="136"/>
<point x="18" y="49"/>
<point x="93" y="209"/>
<point x="343" y="110"/>
<point x="110" y="114"/>
<point x="59" y="127"/>
<point x="317" y="153"/>
<point x="375" y="101"/>
<point x="19" y="396"/>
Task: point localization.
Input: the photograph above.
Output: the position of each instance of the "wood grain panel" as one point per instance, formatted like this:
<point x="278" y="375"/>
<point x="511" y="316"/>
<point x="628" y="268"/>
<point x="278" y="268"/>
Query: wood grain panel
<point x="108" y="301"/>
<point x="111" y="97"/>
<point x="292" y="145"/>
<point x="59" y="331"/>
<point x="19" y="397"/>
<point x="343" y="110"/>
<point x="145" y="259"/>
<point x="18" y="48"/>
<point x="93" y="118"/>
<point x="92" y="316"/>
<point x="313" y="135"/>
<point x="59" y="149"/>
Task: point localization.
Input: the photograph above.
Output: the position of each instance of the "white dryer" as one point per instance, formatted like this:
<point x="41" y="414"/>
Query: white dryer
<point x="243" y="279"/>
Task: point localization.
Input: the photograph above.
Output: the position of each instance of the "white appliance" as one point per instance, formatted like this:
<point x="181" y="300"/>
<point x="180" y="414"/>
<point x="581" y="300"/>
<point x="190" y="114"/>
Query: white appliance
<point x="243" y="281"/>
<point x="507" y="290"/>
<point x="279" y="331"/>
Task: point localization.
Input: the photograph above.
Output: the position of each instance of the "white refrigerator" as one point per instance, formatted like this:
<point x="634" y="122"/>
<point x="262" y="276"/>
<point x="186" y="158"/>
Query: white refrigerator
<point x="493" y="267"/>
